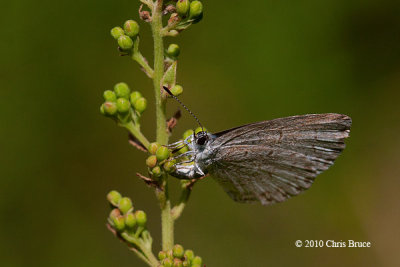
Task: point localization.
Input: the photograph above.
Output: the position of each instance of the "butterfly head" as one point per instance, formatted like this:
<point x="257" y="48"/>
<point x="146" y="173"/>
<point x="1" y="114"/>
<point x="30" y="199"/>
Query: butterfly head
<point x="201" y="138"/>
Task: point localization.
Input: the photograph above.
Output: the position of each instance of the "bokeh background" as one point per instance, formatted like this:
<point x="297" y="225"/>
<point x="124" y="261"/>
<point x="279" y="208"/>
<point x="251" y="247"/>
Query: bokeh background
<point x="246" y="61"/>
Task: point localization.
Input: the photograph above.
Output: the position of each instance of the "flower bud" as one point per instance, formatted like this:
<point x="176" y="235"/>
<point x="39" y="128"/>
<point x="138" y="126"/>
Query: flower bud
<point x="173" y="50"/>
<point x="182" y="7"/>
<point x="125" y="205"/>
<point x="114" y="214"/>
<point x="196" y="9"/>
<point x="187" y="133"/>
<point x="130" y="220"/>
<point x="125" y="42"/>
<point x="170" y="254"/>
<point x="140" y="104"/>
<point x="199" y="129"/>
<point x="122" y="90"/>
<point x="162" y="255"/>
<point x="186" y="263"/>
<point x="116" y="32"/>
<point x="197" y="260"/>
<point x="177" y="90"/>
<point x="119" y="223"/>
<point x="189" y="254"/>
<point x="123" y="105"/>
<point x="110" y="108"/>
<point x="135" y="96"/>
<point x="156" y="171"/>
<point x="141" y="218"/>
<point x="167" y="262"/>
<point x="169" y="166"/>
<point x="109" y="96"/>
<point x="153" y="148"/>
<point x="131" y="28"/>
<point x="114" y="197"/>
<point x="162" y="153"/>
<point x="177" y="263"/>
<point x="151" y="161"/>
<point x="178" y="251"/>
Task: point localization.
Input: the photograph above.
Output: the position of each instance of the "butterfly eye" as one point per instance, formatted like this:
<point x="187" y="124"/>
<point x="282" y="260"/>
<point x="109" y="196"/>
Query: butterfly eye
<point x="201" y="139"/>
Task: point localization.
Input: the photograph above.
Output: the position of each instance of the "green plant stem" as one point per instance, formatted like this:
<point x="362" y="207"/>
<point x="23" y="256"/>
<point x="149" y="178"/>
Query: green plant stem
<point x="138" y="57"/>
<point x="178" y="209"/>
<point x="167" y="222"/>
<point x="135" y="131"/>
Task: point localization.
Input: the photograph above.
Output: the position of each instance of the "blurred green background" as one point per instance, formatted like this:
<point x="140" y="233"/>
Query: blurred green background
<point x="246" y="61"/>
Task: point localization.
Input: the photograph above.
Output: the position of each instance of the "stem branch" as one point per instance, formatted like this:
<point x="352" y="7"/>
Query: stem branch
<point x="135" y="131"/>
<point x="178" y="209"/>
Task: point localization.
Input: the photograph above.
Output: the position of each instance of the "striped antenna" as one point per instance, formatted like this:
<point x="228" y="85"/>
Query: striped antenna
<point x="183" y="105"/>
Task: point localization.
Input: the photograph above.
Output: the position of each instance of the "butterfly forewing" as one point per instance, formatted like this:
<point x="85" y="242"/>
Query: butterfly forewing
<point x="271" y="161"/>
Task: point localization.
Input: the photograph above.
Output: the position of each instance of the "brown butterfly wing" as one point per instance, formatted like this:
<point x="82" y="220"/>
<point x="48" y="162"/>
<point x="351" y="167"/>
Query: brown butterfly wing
<point x="271" y="161"/>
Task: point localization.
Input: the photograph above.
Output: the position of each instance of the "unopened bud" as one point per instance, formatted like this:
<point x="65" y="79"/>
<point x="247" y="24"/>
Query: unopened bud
<point x="182" y="7"/>
<point x="189" y="254"/>
<point x="119" y="223"/>
<point x="169" y="166"/>
<point x="114" y="214"/>
<point x="162" y="255"/>
<point x="141" y="218"/>
<point x="178" y="251"/>
<point x="153" y="148"/>
<point x="122" y="90"/>
<point x="116" y="32"/>
<point x="173" y="50"/>
<point x="135" y="95"/>
<point x="110" y="108"/>
<point x="197" y="260"/>
<point x="177" y="263"/>
<point x="162" y="153"/>
<point x="131" y="28"/>
<point x="130" y="220"/>
<point x="156" y="171"/>
<point x="151" y="161"/>
<point x="123" y="105"/>
<point x="140" y="104"/>
<point x="167" y="262"/>
<point x="125" y="42"/>
<point x="196" y="9"/>
<point x="114" y="197"/>
<point x="109" y="96"/>
<point x="177" y="90"/>
<point x="125" y="205"/>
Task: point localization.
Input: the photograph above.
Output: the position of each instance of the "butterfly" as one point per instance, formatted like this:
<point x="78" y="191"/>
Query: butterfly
<point x="267" y="161"/>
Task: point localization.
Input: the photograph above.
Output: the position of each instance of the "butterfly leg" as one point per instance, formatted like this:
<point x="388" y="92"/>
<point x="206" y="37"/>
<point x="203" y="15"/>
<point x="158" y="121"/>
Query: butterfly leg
<point x="176" y="145"/>
<point x="188" y="153"/>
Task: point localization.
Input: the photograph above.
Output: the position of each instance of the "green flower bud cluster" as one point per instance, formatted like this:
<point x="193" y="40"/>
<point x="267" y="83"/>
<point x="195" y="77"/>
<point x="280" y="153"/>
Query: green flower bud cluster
<point x="178" y="257"/>
<point x="190" y="9"/>
<point x="187" y="13"/>
<point x="123" y="218"/>
<point x="126" y="35"/>
<point x="158" y="160"/>
<point x="123" y="104"/>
